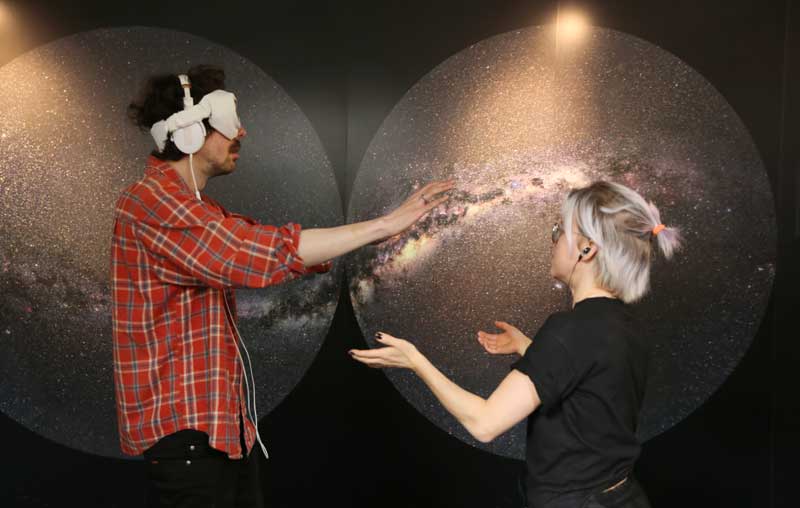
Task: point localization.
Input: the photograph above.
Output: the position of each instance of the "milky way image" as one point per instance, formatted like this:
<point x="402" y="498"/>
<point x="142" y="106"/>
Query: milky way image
<point x="517" y="120"/>
<point x="66" y="151"/>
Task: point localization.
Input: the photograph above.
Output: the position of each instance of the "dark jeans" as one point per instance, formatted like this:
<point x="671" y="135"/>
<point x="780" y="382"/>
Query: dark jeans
<point x="184" y="471"/>
<point x="627" y="495"/>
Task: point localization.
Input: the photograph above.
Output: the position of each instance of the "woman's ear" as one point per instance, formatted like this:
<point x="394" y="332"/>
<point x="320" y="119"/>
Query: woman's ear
<point x="588" y="252"/>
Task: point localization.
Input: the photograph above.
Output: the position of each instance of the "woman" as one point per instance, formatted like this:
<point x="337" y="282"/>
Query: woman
<point x="581" y="380"/>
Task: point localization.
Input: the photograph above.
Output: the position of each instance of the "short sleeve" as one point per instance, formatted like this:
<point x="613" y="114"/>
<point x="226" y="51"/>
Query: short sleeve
<point x="549" y="365"/>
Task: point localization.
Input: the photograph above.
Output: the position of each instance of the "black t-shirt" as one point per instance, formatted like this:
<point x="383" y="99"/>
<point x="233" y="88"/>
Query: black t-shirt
<point x="589" y="367"/>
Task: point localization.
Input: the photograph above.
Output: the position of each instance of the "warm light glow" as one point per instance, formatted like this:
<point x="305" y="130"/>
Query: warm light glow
<point x="414" y="249"/>
<point x="9" y="34"/>
<point x="571" y="25"/>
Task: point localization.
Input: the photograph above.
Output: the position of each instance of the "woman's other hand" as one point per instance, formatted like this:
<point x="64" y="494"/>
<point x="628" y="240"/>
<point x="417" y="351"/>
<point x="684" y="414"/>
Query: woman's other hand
<point x="510" y="341"/>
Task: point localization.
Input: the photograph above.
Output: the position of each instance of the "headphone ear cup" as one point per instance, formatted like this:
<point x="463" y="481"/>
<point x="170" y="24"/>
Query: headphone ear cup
<point x="190" y="139"/>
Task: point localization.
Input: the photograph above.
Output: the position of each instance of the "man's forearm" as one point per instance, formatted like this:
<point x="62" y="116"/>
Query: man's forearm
<point x="323" y="244"/>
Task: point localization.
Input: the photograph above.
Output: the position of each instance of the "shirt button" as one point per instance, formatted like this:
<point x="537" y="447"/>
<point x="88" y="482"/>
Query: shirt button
<point x="191" y="447"/>
<point x="188" y="462"/>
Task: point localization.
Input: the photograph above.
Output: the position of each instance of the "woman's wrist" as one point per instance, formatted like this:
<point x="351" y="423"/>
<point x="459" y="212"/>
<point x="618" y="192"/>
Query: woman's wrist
<point x="417" y="361"/>
<point x="523" y="345"/>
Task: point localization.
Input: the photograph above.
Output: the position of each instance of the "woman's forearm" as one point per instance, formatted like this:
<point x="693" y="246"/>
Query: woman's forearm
<point x="514" y="399"/>
<point x="467" y="407"/>
<point x="322" y="244"/>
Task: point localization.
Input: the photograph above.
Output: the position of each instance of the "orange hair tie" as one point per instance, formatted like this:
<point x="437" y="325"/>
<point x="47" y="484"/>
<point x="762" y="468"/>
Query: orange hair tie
<point x="658" y="229"/>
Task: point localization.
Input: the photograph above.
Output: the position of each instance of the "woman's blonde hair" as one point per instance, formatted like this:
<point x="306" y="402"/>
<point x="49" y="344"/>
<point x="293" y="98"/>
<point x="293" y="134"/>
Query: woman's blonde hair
<point x="621" y="223"/>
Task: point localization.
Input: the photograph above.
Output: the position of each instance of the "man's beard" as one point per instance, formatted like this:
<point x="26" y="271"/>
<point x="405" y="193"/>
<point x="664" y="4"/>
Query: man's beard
<point x="228" y="165"/>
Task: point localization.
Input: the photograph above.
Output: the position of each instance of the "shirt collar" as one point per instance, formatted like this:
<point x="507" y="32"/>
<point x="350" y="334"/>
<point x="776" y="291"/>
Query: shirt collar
<point x="156" y="166"/>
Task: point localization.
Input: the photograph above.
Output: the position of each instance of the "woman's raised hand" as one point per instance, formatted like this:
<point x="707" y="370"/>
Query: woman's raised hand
<point x="510" y="341"/>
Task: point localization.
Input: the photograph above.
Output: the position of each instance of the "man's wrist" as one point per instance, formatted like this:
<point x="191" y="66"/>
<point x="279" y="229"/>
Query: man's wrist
<point x="381" y="228"/>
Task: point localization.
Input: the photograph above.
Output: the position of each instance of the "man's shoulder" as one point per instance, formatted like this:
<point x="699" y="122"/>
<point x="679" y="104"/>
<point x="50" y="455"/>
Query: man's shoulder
<point x="154" y="188"/>
<point x="135" y="192"/>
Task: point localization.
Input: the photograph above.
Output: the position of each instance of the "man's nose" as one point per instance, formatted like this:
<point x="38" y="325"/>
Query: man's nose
<point x="242" y="133"/>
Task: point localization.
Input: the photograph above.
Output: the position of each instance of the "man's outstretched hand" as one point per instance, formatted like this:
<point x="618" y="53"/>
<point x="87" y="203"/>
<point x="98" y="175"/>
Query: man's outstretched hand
<point x="418" y="204"/>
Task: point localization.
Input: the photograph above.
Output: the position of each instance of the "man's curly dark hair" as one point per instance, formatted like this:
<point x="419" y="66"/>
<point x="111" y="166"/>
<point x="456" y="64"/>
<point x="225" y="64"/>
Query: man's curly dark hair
<point x="162" y="95"/>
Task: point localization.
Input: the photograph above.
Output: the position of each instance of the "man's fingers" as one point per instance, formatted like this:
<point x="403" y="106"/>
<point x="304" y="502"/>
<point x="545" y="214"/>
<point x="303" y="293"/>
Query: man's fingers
<point x="441" y="187"/>
<point x="433" y="189"/>
<point x="427" y="190"/>
<point x="436" y="202"/>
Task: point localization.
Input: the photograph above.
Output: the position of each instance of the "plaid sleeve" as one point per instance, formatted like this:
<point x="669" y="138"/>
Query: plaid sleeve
<point x="319" y="268"/>
<point x="194" y="244"/>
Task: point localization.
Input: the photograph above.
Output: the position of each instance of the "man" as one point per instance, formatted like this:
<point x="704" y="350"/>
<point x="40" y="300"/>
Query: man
<point x="176" y="257"/>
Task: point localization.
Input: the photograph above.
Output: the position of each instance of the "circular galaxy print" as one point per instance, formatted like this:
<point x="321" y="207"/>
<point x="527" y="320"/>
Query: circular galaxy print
<point x="66" y="151"/>
<point x="517" y="120"/>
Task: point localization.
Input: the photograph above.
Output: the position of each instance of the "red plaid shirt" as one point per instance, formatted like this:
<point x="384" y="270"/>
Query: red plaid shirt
<point x="173" y="258"/>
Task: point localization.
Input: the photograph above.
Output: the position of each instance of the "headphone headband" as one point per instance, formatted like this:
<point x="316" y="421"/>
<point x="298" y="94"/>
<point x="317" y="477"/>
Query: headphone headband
<point x="188" y="102"/>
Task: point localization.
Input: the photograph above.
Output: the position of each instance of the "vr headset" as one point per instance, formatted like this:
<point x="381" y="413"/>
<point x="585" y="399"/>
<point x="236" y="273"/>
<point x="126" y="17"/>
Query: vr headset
<point x="185" y="128"/>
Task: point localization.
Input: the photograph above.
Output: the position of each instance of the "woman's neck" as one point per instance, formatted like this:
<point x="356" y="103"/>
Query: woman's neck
<point x="589" y="291"/>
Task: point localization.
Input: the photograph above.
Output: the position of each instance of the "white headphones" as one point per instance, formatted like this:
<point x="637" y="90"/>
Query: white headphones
<point x="186" y="129"/>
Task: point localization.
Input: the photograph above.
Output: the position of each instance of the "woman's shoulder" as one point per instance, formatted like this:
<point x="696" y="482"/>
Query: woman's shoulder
<point x="590" y="319"/>
<point x="559" y="325"/>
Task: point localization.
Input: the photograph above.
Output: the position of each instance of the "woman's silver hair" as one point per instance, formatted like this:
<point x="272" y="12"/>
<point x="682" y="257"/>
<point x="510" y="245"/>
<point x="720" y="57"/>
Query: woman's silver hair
<point x="621" y="223"/>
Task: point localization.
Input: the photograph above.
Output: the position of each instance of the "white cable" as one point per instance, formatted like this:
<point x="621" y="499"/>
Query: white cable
<point x="196" y="191"/>
<point x="244" y="373"/>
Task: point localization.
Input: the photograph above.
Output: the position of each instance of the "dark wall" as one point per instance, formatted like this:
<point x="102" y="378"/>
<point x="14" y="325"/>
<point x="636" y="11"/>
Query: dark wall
<point x="345" y="436"/>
